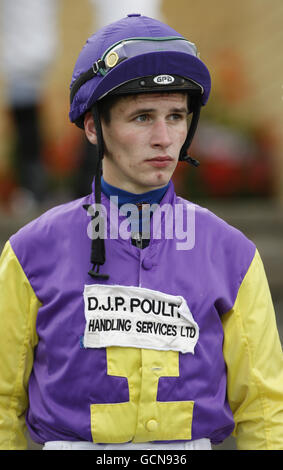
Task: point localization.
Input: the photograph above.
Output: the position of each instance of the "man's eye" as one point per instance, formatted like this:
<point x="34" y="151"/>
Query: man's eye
<point x="142" y="118"/>
<point x="176" y="117"/>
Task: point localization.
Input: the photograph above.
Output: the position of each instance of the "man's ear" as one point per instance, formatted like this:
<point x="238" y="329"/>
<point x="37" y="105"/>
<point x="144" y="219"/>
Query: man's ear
<point x="90" y="130"/>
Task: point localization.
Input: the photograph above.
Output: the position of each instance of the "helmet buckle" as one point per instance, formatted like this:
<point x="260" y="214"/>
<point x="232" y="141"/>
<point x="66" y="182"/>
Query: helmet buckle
<point x="97" y="65"/>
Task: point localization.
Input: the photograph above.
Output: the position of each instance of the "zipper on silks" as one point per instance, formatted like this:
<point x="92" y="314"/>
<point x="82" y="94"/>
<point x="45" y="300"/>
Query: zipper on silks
<point x="140" y="242"/>
<point x="137" y="236"/>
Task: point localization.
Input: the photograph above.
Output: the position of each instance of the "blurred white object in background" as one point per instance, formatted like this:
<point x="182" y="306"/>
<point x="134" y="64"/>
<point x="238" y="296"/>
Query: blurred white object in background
<point x="28" y="46"/>
<point x="107" y="11"/>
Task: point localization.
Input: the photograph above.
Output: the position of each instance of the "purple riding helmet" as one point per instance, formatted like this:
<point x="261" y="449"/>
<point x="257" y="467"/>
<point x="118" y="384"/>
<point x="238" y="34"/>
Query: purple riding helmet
<point x="136" y="54"/>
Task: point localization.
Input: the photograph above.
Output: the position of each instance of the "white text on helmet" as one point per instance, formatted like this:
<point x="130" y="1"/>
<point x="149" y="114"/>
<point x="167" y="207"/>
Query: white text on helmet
<point x="163" y="79"/>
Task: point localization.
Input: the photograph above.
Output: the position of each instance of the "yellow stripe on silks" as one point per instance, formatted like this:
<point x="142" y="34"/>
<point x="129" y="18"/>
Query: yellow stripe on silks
<point x="161" y="421"/>
<point x="18" y="310"/>
<point x="116" y="422"/>
<point x="142" y="418"/>
<point x="254" y="359"/>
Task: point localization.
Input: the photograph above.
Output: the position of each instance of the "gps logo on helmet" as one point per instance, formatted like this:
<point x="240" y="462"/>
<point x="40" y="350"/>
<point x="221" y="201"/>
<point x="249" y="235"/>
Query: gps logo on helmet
<point x="164" y="79"/>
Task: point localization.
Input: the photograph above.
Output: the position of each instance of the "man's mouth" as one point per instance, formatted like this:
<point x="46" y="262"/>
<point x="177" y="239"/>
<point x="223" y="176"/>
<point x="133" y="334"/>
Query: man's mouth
<point x="160" y="161"/>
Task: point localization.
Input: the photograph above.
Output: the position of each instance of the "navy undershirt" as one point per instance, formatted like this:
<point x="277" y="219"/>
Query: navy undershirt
<point x="125" y="197"/>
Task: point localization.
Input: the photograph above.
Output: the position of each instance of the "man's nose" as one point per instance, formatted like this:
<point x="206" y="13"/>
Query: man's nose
<point x="161" y="135"/>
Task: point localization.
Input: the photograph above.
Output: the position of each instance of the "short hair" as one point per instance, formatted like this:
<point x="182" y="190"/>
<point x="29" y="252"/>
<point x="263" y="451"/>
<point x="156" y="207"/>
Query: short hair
<point x="105" y="105"/>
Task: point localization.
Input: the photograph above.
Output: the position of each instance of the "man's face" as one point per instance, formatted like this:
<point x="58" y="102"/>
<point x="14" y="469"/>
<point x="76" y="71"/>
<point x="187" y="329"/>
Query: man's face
<point x="143" y="140"/>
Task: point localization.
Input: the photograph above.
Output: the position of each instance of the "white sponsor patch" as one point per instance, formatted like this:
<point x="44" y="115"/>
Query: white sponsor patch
<point x="137" y="317"/>
<point x="164" y="79"/>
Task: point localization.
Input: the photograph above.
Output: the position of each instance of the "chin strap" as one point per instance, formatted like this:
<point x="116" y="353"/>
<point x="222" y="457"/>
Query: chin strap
<point x="184" y="157"/>
<point x="97" y="245"/>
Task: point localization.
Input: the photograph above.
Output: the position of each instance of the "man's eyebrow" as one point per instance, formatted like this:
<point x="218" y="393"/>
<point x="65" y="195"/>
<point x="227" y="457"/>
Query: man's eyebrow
<point x="182" y="109"/>
<point x="138" y="111"/>
<point x="141" y="111"/>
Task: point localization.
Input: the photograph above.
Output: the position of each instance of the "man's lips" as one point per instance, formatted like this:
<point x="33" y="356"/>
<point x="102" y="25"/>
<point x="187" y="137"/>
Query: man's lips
<point x="160" y="161"/>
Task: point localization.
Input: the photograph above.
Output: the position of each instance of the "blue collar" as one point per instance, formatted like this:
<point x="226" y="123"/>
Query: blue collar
<point x="124" y="197"/>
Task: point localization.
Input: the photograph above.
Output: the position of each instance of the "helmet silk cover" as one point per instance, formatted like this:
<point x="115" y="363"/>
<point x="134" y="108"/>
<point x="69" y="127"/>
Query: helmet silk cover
<point x="156" y="49"/>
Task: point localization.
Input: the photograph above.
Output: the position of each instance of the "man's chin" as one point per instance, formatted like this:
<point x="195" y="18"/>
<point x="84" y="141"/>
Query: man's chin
<point x="161" y="179"/>
<point x="160" y="183"/>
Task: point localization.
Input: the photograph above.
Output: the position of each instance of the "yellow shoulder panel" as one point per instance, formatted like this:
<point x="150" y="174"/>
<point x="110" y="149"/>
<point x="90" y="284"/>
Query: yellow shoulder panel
<point x="18" y="311"/>
<point x="253" y="354"/>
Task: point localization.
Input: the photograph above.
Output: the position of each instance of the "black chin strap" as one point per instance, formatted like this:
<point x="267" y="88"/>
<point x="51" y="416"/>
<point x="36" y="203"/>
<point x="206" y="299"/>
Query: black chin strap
<point x="184" y="157"/>
<point x="97" y="245"/>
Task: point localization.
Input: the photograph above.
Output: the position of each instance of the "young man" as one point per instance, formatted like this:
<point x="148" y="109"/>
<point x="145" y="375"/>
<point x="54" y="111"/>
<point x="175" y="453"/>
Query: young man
<point x="118" y="336"/>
